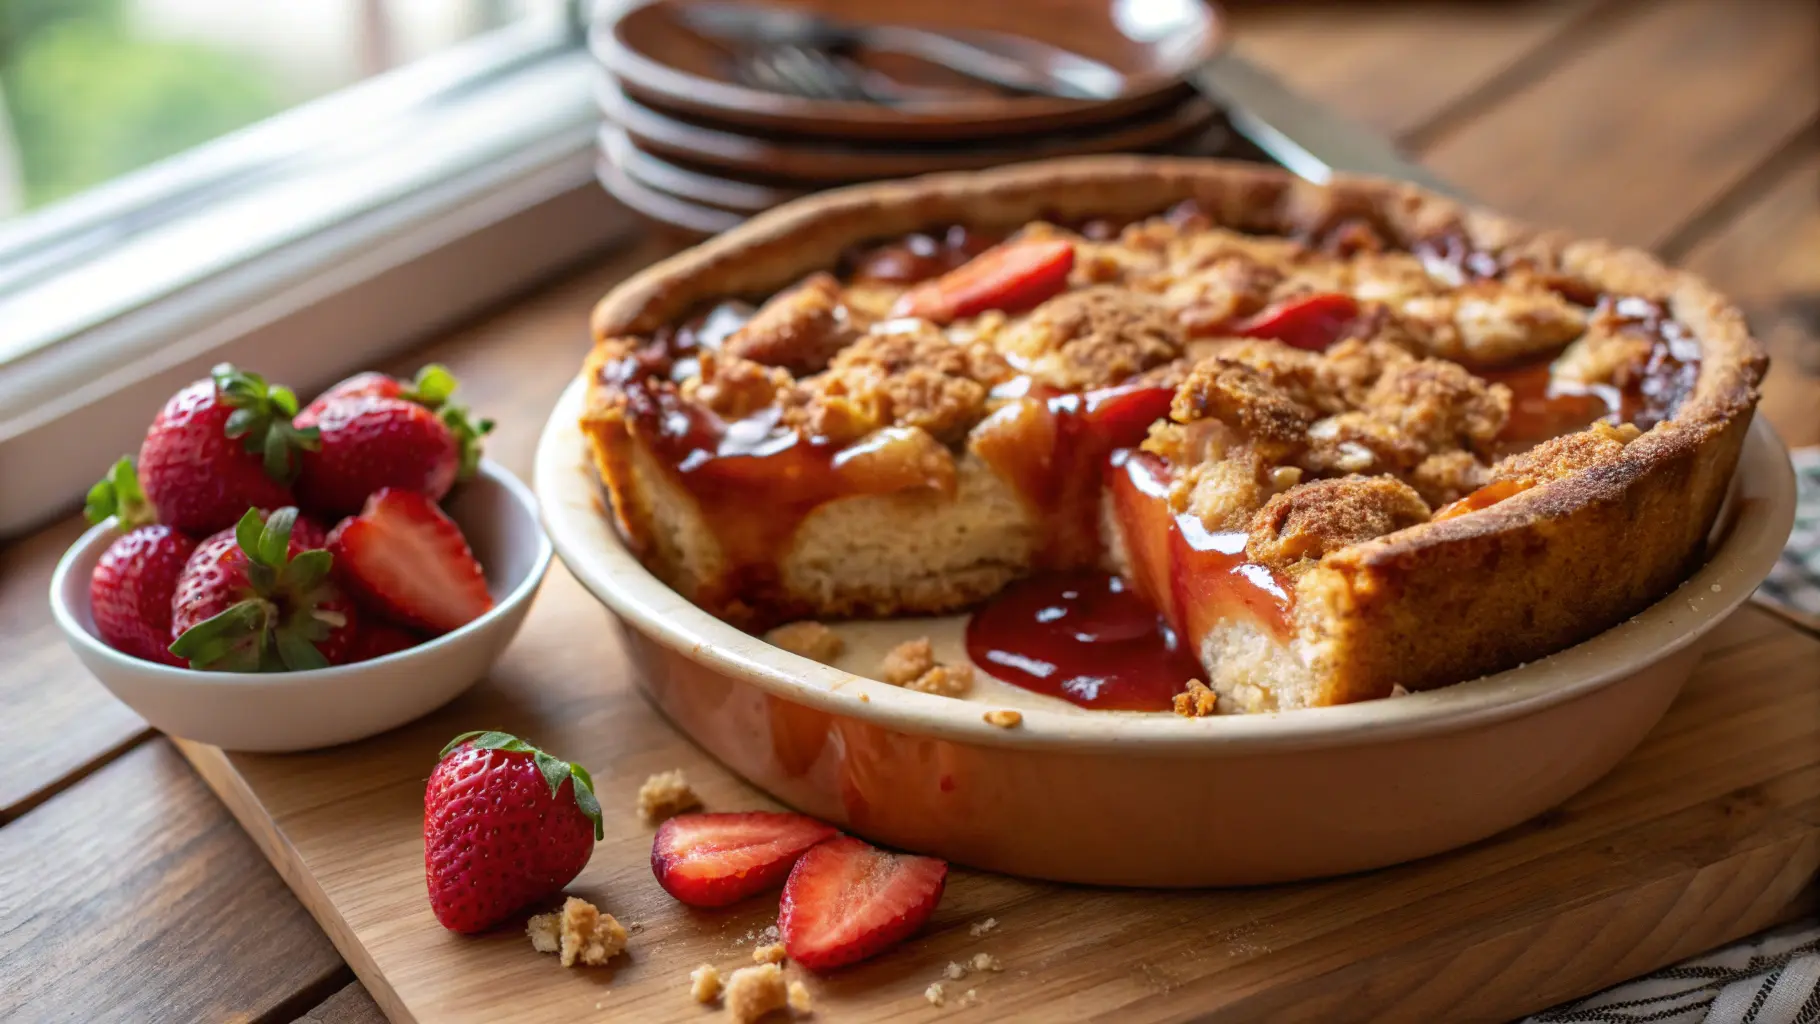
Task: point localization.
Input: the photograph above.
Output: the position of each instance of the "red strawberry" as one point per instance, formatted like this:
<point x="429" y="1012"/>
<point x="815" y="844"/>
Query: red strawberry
<point x="219" y="447"/>
<point x="253" y="599"/>
<point x="380" y="432"/>
<point x="1014" y="276"/>
<point x="847" y="900"/>
<point x="378" y="639"/>
<point x="711" y="860"/>
<point x="1311" y="322"/>
<point x="408" y="561"/>
<point x="131" y="587"/>
<point x="504" y="825"/>
<point x="362" y="385"/>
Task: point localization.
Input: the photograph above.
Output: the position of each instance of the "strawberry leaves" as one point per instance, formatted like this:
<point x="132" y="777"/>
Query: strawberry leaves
<point x="554" y="771"/>
<point x="261" y="420"/>
<point x="432" y="388"/>
<point x="278" y="625"/>
<point x="118" y="494"/>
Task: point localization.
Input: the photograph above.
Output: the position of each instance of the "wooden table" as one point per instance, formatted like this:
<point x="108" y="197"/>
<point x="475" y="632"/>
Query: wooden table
<point x="1692" y="127"/>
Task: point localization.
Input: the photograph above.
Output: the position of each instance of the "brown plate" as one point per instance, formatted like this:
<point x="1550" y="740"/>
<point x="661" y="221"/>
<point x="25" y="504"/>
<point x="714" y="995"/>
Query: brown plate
<point x="823" y="162"/>
<point x="661" y="175"/>
<point x="1154" y="43"/>
<point x="691" y="221"/>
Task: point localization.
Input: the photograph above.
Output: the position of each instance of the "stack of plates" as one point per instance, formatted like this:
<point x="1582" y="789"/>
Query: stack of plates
<point x="719" y="109"/>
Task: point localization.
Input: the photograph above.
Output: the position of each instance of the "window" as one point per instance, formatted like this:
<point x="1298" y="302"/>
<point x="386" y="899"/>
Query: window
<point x="301" y="185"/>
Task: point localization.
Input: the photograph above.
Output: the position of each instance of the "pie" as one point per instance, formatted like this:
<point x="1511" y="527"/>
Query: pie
<point x="1342" y="439"/>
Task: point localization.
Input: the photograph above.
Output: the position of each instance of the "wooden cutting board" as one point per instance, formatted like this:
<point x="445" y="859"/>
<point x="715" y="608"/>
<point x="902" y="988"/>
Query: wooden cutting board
<point x="1708" y="832"/>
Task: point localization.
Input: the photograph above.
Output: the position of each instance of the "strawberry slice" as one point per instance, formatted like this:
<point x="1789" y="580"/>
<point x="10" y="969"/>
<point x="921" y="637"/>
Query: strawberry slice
<point x="409" y="562"/>
<point x="711" y="860"/>
<point x="1012" y="277"/>
<point x="847" y="900"/>
<point x="1311" y="322"/>
<point x="1122" y="415"/>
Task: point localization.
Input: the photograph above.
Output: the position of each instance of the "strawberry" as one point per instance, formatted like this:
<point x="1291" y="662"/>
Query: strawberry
<point x="711" y="860"/>
<point x="504" y="825"/>
<point x="380" y="432"/>
<point x="378" y="639"/>
<point x="1014" y="276"/>
<point x="409" y="562"/>
<point x="219" y="447"/>
<point x="1311" y="322"/>
<point x="253" y="599"/>
<point x="847" y="900"/>
<point x="131" y="587"/>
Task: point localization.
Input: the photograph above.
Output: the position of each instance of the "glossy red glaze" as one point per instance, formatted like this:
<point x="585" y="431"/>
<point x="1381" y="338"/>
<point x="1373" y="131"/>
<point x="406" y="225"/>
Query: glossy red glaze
<point x="1083" y="636"/>
<point x="1542" y="407"/>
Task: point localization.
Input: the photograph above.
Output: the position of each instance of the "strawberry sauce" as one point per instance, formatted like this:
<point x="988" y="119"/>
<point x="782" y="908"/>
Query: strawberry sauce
<point x="1085" y="637"/>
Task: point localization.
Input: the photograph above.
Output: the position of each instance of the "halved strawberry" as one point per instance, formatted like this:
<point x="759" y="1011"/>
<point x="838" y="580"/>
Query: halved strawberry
<point x="847" y="900"/>
<point x="711" y="860"/>
<point x="1311" y="322"/>
<point x="378" y="639"/>
<point x="408" y="561"/>
<point x="1014" y="276"/>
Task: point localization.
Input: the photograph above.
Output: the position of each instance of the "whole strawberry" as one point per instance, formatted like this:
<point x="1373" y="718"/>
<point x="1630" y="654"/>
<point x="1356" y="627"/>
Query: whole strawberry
<point x="131" y="587"/>
<point x="504" y="825"/>
<point x="377" y="432"/>
<point x="219" y="447"/>
<point x="254" y="599"/>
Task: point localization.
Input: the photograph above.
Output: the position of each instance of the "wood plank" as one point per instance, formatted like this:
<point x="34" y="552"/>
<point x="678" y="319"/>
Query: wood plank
<point x="1635" y="137"/>
<point x="1768" y="259"/>
<point x="1396" y="67"/>
<point x="133" y="896"/>
<point x="351" y="1005"/>
<point x="1710" y="831"/>
<point x="56" y="721"/>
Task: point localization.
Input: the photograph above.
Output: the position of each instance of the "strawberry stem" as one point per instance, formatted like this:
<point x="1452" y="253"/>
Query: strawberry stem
<point x="433" y="388"/>
<point x="118" y="494"/>
<point x="277" y="628"/>
<point x="555" y="771"/>
<point x="261" y="420"/>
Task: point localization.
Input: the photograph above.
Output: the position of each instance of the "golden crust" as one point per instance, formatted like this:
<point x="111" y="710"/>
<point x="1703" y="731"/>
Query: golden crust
<point x="1594" y="536"/>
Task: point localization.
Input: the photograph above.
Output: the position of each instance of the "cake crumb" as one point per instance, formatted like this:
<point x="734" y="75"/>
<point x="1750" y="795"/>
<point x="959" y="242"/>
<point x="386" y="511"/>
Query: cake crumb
<point x="799" y="998"/>
<point x="587" y="935"/>
<point x="979" y="928"/>
<point x="704" y="984"/>
<point x="934" y="994"/>
<point x="545" y="932"/>
<point x="1004" y="718"/>
<point x="944" y="681"/>
<point x="907" y="662"/>
<point x="753" y="992"/>
<point x="770" y="954"/>
<point x="954" y="971"/>
<point x="666" y="795"/>
<point x="865" y="698"/>
<point x="985" y="962"/>
<point x="969" y="997"/>
<point x="808" y="638"/>
<point x="1197" y="701"/>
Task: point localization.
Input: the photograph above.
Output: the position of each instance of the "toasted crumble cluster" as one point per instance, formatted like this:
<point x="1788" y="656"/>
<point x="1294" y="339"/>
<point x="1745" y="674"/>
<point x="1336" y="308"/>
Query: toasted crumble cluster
<point x="579" y="933"/>
<point x="808" y="638"/>
<point x="666" y="795"/>
<point x="1197" y="701"/>
<point x="1003" y="718"/>
<point x="770" y="953"/>
<point x="704" y="984"/>
<point x="753" y="992"/>
<point x="912" y="665"/>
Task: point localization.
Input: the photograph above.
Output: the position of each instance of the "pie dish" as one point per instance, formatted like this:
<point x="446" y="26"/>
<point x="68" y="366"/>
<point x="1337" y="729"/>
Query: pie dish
<point x="1349" y="440"/>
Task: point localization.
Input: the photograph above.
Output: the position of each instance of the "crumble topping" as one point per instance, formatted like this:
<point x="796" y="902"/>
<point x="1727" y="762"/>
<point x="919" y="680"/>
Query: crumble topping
<point x="579" y="933"/>
<point x="912" y="665"/>
<point x="704" y="984"/>
<point x="753" y="992"/>
<point x="1197" y="701"/>
<point x="1092" y="338"/>
<point x="1327" y="515"/>
<point x="800" y="329"/>
<point x="911" y="375"/>
<point x="934" y="994"/>
<point x="1564" y="455"/>
<point x="808" y="638"/>
<point x="800" y="1001"/>
<point x="666" y="795"/>
<point x="1004" y="718"/>
<point x="772" y="953"/>
<point x="979" y="928"/>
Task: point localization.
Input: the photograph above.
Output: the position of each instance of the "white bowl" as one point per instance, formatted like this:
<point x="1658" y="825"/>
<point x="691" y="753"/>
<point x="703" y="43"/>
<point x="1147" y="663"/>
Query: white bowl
<point x="302" y="710"/>
<point x="1154" y="799"/>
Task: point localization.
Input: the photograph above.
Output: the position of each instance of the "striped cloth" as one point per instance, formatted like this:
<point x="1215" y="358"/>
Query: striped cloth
<point x="1772" y="977"/>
